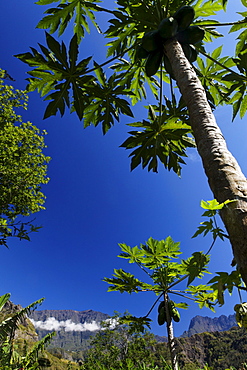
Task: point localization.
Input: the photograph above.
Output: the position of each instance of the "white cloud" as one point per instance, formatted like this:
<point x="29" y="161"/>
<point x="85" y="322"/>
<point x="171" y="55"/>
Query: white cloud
<point x="111" y="323"/>
<point x="52" y="324"/>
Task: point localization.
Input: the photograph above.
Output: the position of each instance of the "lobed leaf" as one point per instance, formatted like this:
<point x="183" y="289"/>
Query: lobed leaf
<point x="196" y="266"/>
<point x="164" y="138"/>
<point x="126" y="282"/>
<point x="59" y="18"/>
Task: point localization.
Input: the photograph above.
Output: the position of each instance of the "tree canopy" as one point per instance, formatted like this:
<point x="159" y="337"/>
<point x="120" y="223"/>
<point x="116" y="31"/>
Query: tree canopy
<point x="101" y="94"/>
<point x="23" y="166"/>
<point x="151" y="43"/>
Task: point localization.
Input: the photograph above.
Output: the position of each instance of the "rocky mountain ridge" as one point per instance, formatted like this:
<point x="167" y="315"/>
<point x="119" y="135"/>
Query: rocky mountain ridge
<point x="64" y="315"/>
<point x="205" y="342"/>
<point x="74" y="328"/>
<point x="202" y="324"/>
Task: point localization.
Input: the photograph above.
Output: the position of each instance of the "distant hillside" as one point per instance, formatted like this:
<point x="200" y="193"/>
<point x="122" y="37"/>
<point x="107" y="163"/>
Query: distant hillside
<point x="216" y="347"/>
<point x="26" y="337"/>
<point x="76" y="317"/>
<point x="207" y="341"/>
<point x="27" y="330"/>
<point x="73" y="328"/>
<point x="219" y="350"/>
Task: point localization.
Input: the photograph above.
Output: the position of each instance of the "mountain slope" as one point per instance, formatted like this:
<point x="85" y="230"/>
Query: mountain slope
<point x="73" y="328"/>
<point x="74" y="316"/>
<point x="213" y="346"/>
<point x="202" y="324"/>
<point x="219" y="350"/>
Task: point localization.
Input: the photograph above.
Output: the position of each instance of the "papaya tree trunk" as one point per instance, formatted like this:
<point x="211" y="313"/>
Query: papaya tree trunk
<point x="170" y="335"/>
<point x="225" y="177"/>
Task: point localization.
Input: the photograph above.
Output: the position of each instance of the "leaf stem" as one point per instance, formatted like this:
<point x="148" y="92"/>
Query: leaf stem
<point x="143" y="269"/>
<point x="211" y="246"/>
<point x="240" y="296"/>
<point x="161" y="91"/>
<point x="224" y="24"/>
<point x="240" y="287"/>
<point x="127" y="16"/>
<point x="152" y="307"/>
<point x="184" y="296"/>
<point x="178" y="281"/>
<point x="109" y="61"/>
<point x="166" y="7"/>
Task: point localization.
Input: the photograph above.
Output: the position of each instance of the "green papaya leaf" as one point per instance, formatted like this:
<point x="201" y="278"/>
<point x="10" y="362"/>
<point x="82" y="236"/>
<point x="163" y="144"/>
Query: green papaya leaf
<point x="163" y="139"/>
<point x="59" y="18"/>
<point x="196" y="266"/>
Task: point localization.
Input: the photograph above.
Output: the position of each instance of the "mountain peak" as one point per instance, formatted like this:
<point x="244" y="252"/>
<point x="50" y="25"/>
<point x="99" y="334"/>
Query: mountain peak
<point x="202" y="324"/>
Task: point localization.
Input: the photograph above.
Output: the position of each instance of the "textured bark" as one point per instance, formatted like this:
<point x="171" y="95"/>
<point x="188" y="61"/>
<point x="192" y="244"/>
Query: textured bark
<point x="170" y="334"/>
<point x="225" y="177"/>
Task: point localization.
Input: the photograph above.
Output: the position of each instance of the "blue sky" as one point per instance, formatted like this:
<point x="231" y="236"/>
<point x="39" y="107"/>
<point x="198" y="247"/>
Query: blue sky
<point x="94" y="202"/>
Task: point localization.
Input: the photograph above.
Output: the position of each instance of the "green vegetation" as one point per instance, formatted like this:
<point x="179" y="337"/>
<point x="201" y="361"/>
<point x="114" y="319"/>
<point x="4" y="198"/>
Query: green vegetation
<point x="23" y="166"/>
<point x="118" y="346"/>
<point x="123" y="348"/>
<point x="169" y="35"/>
<point x="158" y="260"/>
<point x="10" y="358"/>
<point x="19" y="347"/>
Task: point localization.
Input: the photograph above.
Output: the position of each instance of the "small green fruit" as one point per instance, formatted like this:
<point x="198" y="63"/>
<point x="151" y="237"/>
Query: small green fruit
<point x="176" y="315"/>
<point x="184" y="17"/>
<point x="168" y="67"/>
<point x="190" y="52"/>
<point x="162" y="316"/>
<point x="153" y="62"/>
<point x="168" y="28"/>
<point x="192" y="35"/>
<point x="151" y="41"/>
<point x="141" y="53"/>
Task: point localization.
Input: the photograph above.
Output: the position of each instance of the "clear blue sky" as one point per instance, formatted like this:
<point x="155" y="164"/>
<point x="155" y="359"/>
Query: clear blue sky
<point x="94" y="202"/>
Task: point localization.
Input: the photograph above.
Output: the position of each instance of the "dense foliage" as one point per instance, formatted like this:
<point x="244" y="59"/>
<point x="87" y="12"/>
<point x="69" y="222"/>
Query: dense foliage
<point x="101" y="93"/>
<point x="23" y="166"/>
<point x="120" y="349"/>
<point x="12" y="356"/>
<point x="100" y="98"/>
<point x="144" y="39"/>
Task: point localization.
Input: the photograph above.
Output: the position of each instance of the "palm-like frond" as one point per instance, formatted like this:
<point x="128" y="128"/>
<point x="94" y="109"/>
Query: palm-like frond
<point x="8" y="326"/>
<point x="3" y="299"/>
<point x="33" y="354"/>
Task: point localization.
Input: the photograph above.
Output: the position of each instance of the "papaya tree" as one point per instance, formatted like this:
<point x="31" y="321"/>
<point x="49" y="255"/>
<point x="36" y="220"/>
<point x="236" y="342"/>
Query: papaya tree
<point x="152" y="43"/>
<point x="167" y="276"/>
<point x="158" y="260"/>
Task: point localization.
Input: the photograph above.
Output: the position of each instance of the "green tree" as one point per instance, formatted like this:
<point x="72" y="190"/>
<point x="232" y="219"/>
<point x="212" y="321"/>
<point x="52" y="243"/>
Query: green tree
<point x="141" y="36"/>
<point x="157" y="259"/>
<point x="121" y="347"/>
<point x="23" y="166"/>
